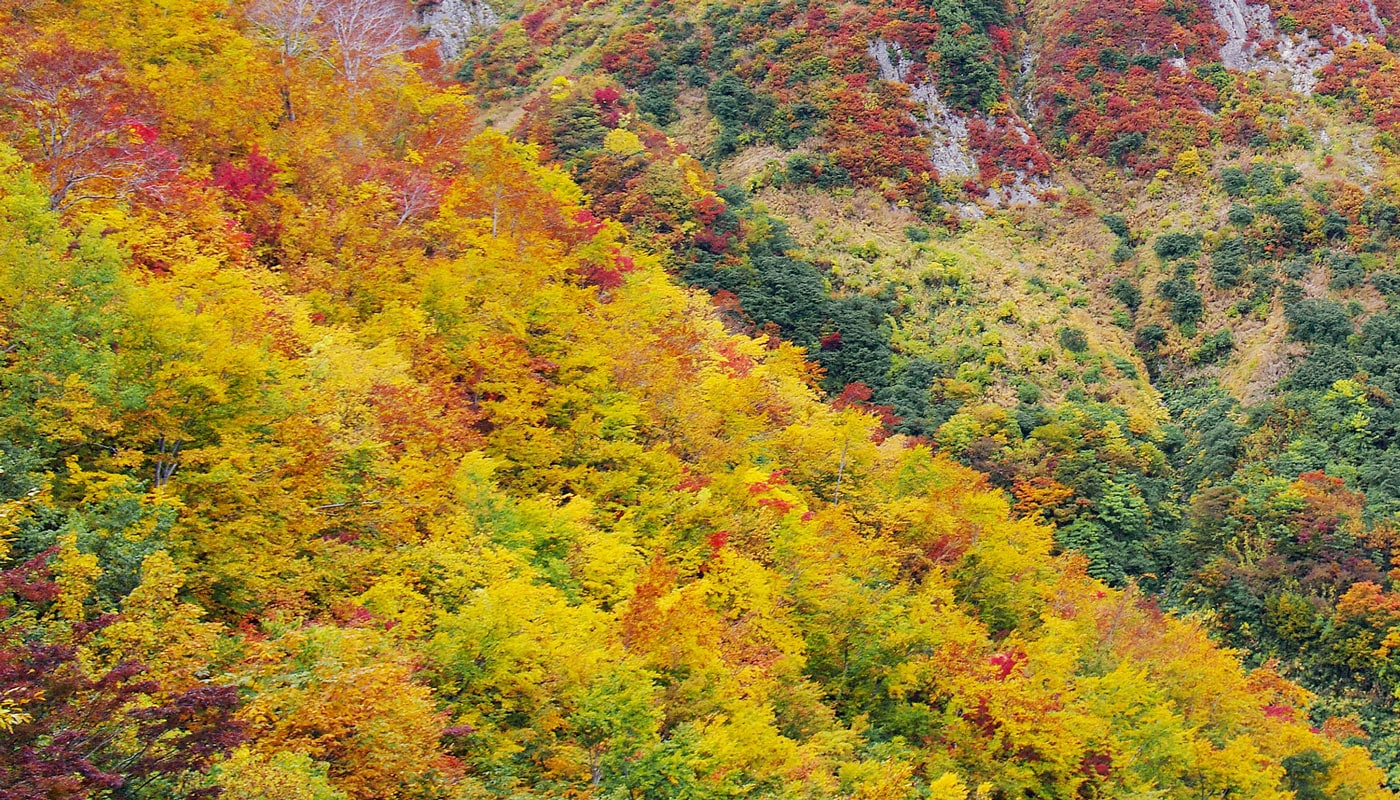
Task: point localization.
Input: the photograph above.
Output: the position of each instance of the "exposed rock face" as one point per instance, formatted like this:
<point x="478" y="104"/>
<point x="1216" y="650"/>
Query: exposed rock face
<point x="947" y="132"/>
<point x="946" y="129"/>
<point x="889" y="57"/>
<point x="1299" y="55"/>
<point x="450" y="22"/>
<point x="1025" y="190"/>
<point x="1025" y="84"/>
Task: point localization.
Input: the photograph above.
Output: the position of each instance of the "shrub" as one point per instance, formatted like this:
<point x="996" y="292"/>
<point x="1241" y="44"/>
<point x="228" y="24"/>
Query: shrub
<point x="1170" y="246"/>
<point x="1344" y="271"/>
<point x="1386" y="282"/>
<point x="1125" y="145"/>
<point x="909" y="395"/>
<point x="819" y="170"/>
<point x="1324" y="366"/>
<point x="1185" y="298"/>
<point x="1227" y="263"/>
<point x="1334" y="226"/>
<point x="1318" y="321"/>
<point x="1234" y="181"/>
<point x="1118" y="226"/>
<point x="1263" y="179"/>
<point x="1073" y="339"/>
<point x="1214" y="347"/>
<point x="1297" y="268"/>
<point x="1291" y="219"/>
<point x="1150" y="337"/>
<point x="1127" y="293"/>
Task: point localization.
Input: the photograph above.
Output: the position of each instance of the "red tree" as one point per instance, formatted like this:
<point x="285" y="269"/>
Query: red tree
<point x="73" y="113"/>
<point x="81" y="732"/>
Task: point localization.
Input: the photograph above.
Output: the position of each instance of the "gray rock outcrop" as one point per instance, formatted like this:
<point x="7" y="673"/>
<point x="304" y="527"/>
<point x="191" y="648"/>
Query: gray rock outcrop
<point x="450" y="22"/>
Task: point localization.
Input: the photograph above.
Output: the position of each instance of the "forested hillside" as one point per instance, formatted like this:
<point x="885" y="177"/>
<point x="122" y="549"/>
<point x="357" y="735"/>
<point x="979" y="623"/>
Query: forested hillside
<point x="1134" y="261"/>
<point x="605" y="400"/>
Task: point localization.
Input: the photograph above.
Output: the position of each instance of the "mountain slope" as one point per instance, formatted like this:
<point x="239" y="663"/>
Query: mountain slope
<point x="350" y="454"/>
<point x="1134" y="261"/>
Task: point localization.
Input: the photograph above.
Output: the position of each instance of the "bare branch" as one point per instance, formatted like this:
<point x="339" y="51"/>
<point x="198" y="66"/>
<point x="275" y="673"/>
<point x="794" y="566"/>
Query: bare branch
<point x="289" y="23"/>
<point x="361" y="34"/>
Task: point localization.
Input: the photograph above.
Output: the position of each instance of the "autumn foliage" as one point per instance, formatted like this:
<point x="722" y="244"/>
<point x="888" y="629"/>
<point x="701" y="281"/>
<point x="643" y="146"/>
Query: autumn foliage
<point x="349" y="452"/>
